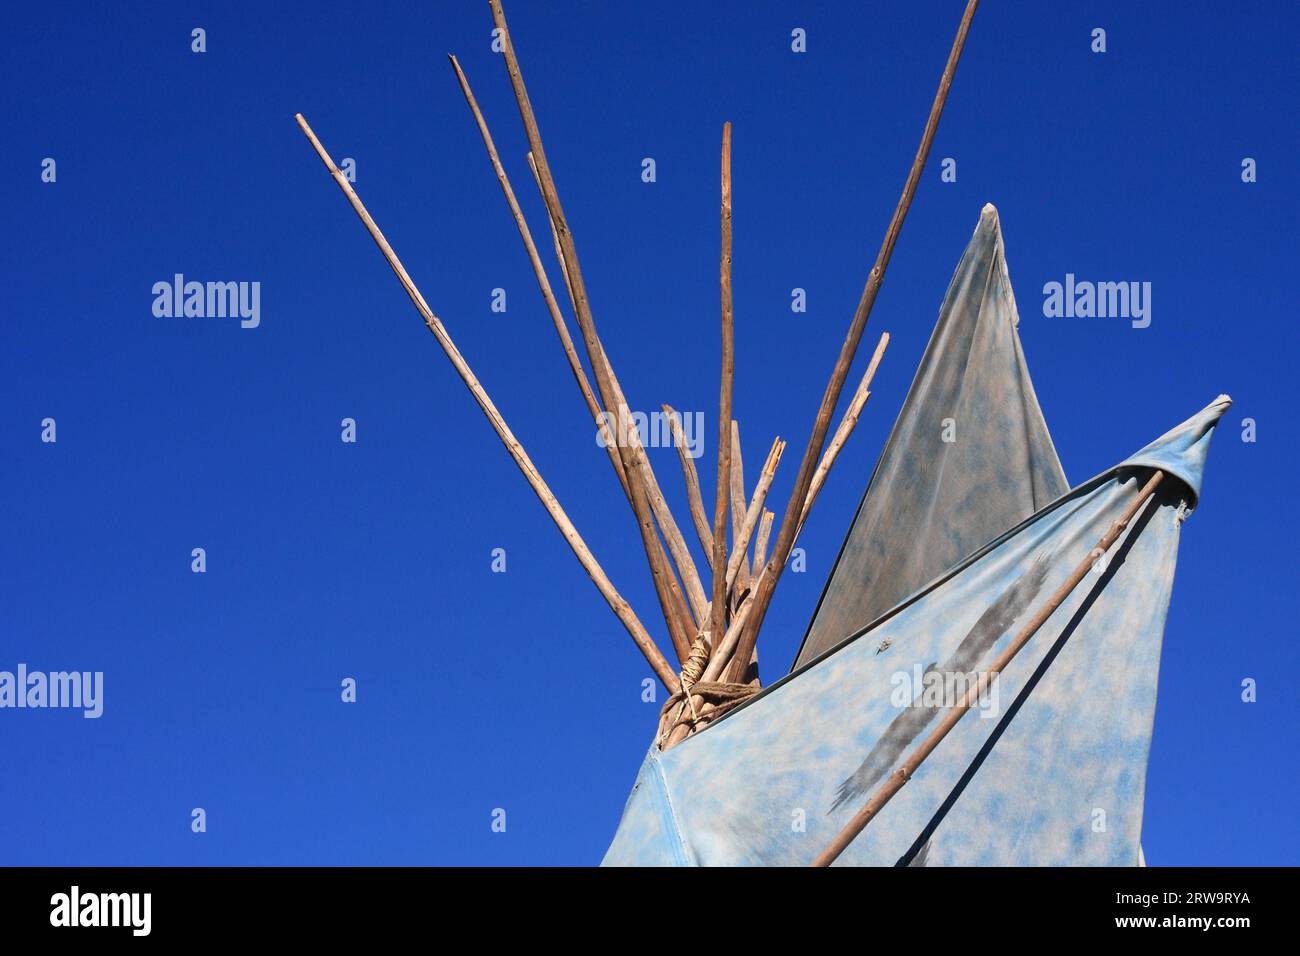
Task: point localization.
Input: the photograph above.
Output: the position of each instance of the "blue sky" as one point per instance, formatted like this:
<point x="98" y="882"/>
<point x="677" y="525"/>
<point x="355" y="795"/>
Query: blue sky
<point x="372" y="560"/>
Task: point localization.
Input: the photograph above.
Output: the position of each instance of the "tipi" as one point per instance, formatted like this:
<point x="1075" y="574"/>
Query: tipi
<point x="957" y="558"/>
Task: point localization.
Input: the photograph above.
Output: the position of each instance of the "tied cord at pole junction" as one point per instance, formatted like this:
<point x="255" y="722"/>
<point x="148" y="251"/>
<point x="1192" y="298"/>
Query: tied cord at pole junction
<point x="723" y="696"/>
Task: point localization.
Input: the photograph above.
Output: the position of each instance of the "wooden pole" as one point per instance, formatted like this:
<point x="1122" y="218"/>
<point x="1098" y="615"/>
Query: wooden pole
<point x="722" y="653"/>
<point x="695" y="499"/>
<point x="553" y="307"/>
<point x="687" y="624"/>
<point x="749" y="520"/>
<point x="719" y="607"/>
<point x="724" y="649"/>
<point x="760" y="542"/>
<point x="851" y="416"/>
<point x="894" y="782"/>
<point x="571" y="353"/>
<point x="555" y="235"/>
<point x="676" y="545"/>
<point x="611" y="397"/>
<point x="738" y="508"/>
<point x="588" y="561"/>
<point x="842" y="433"/>
<point x="762" y="595"/>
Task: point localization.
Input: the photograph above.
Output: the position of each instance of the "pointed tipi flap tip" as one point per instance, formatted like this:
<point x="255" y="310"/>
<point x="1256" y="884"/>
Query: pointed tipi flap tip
<point x="1182" y="450"/>
<point x="987" y="241"/>
<point x="989" y="223"/>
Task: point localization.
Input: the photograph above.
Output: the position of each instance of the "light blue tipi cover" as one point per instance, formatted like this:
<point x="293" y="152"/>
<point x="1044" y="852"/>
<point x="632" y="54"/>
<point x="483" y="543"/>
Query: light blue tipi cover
<point x="1050" y="772"/>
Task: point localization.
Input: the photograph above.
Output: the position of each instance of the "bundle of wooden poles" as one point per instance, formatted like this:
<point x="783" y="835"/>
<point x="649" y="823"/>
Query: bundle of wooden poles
<point x="713" y="632"/>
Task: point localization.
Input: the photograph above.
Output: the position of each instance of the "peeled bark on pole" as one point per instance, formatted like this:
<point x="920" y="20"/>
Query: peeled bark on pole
<point x="611" y="397"/>
<point x="895" y="781"/>
<point x="762" y="595"/>
<point x="588" y="561"/>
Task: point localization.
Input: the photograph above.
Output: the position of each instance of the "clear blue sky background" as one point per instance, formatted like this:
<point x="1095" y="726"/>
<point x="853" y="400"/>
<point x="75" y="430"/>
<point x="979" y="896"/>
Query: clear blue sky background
<point x="325" y="560"/>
